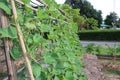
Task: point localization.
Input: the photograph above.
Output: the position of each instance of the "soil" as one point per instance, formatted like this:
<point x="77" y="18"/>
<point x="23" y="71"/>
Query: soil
<point x="92" y="67"/>
<point x="111" y="69"/>
<point x="100" y="69"/>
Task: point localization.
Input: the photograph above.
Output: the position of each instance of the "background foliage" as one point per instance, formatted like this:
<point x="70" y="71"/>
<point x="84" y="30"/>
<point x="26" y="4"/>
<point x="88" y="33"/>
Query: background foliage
<point x="113" y="20"/>
<point x="86" y="9"/>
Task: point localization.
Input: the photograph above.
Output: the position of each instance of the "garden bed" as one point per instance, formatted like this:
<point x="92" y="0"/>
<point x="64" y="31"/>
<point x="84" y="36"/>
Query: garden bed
<point x="101" y="69"/>
<point x="111" y="69"/>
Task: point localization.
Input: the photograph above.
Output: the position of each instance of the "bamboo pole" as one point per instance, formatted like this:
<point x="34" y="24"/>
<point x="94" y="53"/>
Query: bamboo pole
<point x="21" y="40"/>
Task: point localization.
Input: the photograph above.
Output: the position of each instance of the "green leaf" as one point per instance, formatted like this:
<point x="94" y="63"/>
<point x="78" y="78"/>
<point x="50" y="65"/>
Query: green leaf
<point x="16" y="52"/>
<point x="36" y="38"/>
<point x="20" y="17"/>
<point x="52" y="36"/>
<point x="29" y="40"/>
<point x="83" y="78"/>
<point x="5" y="7"/>
<point x="30" y="26"/>
<point x="69" y="76"/>
<point x="12" y="32"/>
<point x="52" y="3"/>
<point x="9" y="32"/>
<point x="67" y="65"/>
<point x="49" y="59"/>
<point x="27" y="8"/>
<point x="36" y="70"/>
<point x="60" y="65"/>
<point x="41" y="13"/>
<point x="25" y="1"/>
<point x="44" y="28"/>
<point x="58" y="71"/>
<point x="55" y="13"/>
<point x="56" y="78"/>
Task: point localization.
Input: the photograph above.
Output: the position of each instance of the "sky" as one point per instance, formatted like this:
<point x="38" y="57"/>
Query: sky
<point x="106" y="6"/>
<point x="60" y="1"/>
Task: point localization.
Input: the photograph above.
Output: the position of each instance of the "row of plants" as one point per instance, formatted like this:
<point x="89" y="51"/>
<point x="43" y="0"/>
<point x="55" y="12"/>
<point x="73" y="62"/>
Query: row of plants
<point x="50" y="34"/>
<point x="100" y="35"/>
<point x="102" y="49"/>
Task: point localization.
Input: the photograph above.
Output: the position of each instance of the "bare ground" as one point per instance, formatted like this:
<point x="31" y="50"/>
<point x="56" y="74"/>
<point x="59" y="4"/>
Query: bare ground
<point x="98" y="69"/>
<point x="111" y="69"/>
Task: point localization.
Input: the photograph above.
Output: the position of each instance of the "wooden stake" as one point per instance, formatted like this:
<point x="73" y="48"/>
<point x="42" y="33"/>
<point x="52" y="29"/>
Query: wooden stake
<point x="9" y="62"/>
<point x="21" y="40"/>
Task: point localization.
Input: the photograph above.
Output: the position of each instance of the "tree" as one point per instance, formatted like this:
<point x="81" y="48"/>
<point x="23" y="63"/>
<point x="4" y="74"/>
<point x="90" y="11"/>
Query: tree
<point x="118" y="23"/>
<point x="98" y="16"/>
<point x="80" y="20"/>
<point x="91" y="24"/>
<point x="86" y="9"/>
<point x="111" y="19"/>
<point x="74" y="13"/>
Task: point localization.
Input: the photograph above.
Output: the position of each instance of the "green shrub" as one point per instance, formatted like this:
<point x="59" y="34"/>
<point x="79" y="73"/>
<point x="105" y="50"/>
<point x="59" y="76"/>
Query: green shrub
<point x="100" y="35"/>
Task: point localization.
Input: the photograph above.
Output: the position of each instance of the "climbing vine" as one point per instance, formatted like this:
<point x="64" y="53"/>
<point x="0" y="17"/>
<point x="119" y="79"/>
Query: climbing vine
<point x="51" y="39"/>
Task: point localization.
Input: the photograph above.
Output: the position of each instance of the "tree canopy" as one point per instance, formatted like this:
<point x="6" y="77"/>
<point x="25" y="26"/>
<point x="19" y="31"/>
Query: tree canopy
<point x="118" y="23"/>
<point x="111" y="19"/>
<point x="86" y="9"/>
